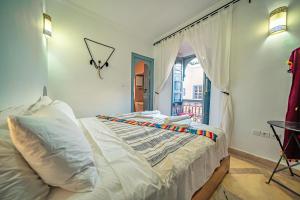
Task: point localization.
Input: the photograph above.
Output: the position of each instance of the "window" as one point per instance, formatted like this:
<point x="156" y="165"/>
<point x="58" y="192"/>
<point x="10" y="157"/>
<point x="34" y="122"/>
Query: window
<point x="177" y="82"/>
<point x="177" y="97"/>
<point x="197" y="91"/>
<point x="188" y="83"/>
<point x="177" y="85"/>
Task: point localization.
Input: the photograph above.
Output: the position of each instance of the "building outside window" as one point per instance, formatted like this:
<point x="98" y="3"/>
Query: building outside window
<point x="197" y="92"/>
<point x="193" y="76"/>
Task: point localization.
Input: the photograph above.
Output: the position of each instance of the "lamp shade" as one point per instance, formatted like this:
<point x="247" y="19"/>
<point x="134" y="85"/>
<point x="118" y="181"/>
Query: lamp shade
<point x="47" y="29"/>
<point x="277" y="20"/>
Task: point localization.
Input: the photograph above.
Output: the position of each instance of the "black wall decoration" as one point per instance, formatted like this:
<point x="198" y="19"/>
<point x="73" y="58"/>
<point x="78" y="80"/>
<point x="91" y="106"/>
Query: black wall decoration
<point x="100" y="65"/>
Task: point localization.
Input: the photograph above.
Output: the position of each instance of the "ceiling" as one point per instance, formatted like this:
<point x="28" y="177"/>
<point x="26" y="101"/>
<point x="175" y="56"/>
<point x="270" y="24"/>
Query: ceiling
<point x="150" y="18"/>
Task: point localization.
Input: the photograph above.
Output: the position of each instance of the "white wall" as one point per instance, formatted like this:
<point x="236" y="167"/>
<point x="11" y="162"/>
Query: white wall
<point x="23" y="56"/>
<point x="72" y="79"/>
<point x="259" y="81"/>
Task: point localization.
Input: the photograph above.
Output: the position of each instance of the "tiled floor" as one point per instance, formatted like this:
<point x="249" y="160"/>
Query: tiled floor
<point x="247" y="180"/>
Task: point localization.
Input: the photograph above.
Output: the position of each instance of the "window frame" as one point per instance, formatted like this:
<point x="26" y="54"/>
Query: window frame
<point x="197" y="91"/>
<point x="206" y="88"/>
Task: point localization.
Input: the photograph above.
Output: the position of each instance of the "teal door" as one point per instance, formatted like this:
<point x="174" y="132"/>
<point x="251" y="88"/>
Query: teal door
<point x="177" y="87"/>
<point x="145" y="81"/>
<point x="206" y="97"/>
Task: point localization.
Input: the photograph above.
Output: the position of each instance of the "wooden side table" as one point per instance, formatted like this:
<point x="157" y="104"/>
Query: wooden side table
<point x="295" y="127"/>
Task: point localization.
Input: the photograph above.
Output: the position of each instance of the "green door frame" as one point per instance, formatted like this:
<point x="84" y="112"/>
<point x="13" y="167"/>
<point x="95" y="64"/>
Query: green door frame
<point x="206" y="98"/>
<point x="150" y="62"/>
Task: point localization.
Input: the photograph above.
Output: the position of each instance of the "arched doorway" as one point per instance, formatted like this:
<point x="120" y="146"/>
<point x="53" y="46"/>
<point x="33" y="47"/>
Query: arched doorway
<point x="141" y="83"/>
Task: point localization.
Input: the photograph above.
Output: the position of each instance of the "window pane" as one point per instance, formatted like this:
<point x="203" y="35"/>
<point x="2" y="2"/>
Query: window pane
<point x="197" y="92"/>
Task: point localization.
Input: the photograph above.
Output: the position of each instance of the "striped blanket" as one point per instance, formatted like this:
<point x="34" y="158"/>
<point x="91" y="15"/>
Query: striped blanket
<point x="153" y="141"/>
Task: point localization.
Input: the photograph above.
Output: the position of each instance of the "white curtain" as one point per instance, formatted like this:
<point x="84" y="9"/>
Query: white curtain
<point x="165" y="54"/>
<point x="210" y="40"/>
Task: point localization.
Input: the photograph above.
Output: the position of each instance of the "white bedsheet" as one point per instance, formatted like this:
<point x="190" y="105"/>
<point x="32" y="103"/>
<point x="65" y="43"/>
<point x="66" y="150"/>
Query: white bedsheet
<point x="126" y="175"/>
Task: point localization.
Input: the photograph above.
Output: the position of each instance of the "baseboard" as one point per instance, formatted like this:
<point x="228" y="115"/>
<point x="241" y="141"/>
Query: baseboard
<point x="256" y="159"/>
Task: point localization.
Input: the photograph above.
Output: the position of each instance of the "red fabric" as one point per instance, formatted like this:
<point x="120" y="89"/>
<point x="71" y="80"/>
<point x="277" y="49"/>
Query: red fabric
<point x="293" y="111"/>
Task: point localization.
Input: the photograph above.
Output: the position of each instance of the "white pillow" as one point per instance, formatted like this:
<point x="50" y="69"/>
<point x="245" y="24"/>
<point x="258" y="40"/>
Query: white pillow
<point x="14" y="110"/>
<point x="56" y="148"/>
<point x="22" y="110"/>
<point x="65" y="108"/>
<point x="17" y="179"/>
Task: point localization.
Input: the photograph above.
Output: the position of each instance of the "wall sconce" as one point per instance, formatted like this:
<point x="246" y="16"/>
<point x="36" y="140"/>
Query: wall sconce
<point x="277" y="20"/>
<point x="47" y="25"/>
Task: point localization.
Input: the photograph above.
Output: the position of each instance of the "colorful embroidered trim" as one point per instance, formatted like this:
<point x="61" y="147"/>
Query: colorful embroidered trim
<point x="205" y="133"/>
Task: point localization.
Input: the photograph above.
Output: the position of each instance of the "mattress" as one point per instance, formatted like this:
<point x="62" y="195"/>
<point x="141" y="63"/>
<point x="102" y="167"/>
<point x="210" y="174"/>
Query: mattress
<point x="126" y="175"/>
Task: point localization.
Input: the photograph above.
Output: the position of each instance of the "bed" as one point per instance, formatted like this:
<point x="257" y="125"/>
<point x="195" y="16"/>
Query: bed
<point x="193" y="171"/>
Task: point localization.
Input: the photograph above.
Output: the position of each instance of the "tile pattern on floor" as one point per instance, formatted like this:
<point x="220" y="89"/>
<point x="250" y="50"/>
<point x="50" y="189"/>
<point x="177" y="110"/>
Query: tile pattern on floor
<point x="247" y="181"/>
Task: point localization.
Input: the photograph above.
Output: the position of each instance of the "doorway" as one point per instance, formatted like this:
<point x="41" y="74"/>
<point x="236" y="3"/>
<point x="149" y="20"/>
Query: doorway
<point x="190" y="90"/>
<point x="141" y="83"/>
